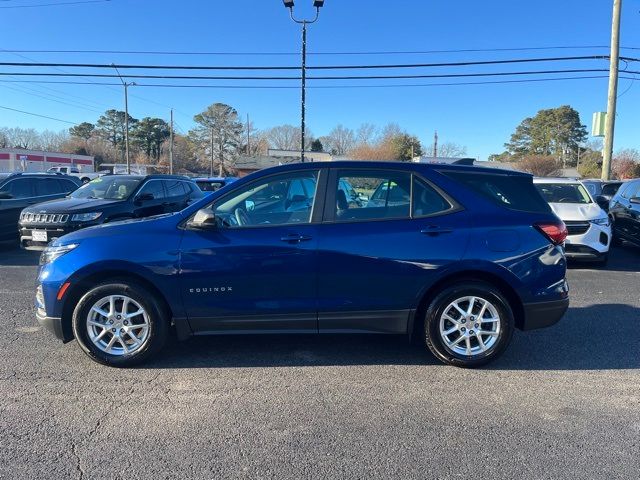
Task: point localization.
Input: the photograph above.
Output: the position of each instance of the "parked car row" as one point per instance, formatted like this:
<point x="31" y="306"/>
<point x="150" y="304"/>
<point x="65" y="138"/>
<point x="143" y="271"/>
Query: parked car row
<point x="597" y="213"/>
<point x="36" y="208"/>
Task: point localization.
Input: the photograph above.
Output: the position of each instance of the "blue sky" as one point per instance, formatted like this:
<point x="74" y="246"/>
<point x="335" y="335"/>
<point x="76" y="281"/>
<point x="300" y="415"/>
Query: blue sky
<point x="480" y="117"/>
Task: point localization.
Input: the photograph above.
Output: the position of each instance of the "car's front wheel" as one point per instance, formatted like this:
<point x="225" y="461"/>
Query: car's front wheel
<point x="120" y="324"/>
<point x="469" y="324"/>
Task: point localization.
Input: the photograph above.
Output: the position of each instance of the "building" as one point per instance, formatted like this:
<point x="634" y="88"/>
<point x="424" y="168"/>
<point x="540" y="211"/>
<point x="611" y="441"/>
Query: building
<point x="19" y="160"/>
<point x="309" y="156"/>
<point x="245" y="165"/>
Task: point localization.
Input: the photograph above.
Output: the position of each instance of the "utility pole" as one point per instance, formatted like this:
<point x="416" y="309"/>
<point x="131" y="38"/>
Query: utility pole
<point x="211" y="169"/>
<point x="317" y="5"/>
<point x="126" y="117"/>
<point x="248" y="137"/>
<point x="610" y="121"/>
<point x="435" y="144"/>
<point x="171" y="145"/>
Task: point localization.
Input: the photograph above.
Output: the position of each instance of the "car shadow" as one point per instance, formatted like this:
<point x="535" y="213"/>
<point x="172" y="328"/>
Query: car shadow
<point x="625" y="258"/>
<point x="598" y="337"/>
<point x="13" y="256"/>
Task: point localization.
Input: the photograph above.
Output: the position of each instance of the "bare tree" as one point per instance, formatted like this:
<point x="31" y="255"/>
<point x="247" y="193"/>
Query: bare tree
<point x="366" y="134"/>
<point x="53" y="141"/>
<point x="287" y="137"/>
<point x="22" y="138"/>
<point x="541" y="165"/>
<point x="448" y="149"/>
<point x="340" y="140"/>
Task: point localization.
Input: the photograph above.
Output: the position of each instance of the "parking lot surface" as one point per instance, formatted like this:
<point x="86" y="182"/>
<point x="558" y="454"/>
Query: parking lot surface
<point x="561" y="403"/>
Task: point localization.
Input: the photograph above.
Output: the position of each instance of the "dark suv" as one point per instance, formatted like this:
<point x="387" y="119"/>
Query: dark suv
<point x="19" y="190"/>
<point x="457" y="258"/>
<point x="106" y="199"/>
<point x="624" y="212"/>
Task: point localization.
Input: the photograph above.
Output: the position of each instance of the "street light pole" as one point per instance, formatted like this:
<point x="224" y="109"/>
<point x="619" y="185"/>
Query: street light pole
<point x="303" y="96"/>
<point x="126" y="117"/>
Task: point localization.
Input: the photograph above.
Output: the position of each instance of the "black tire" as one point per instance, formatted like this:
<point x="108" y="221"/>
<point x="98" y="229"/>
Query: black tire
<point x="157" y="315"/>
<point x="448" y="295"/>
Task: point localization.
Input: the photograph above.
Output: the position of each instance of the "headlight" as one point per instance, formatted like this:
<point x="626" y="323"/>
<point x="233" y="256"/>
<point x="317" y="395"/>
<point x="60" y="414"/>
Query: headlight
<point x="85" y="217"/>
<point x="604" y="221"/>
<point x="51" y="253"/>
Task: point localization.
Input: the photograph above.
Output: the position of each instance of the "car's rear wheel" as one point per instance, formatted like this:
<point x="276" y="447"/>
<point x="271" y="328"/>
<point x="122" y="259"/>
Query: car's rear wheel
<point x="120" y="324"/>
<point x="469" y="324"/>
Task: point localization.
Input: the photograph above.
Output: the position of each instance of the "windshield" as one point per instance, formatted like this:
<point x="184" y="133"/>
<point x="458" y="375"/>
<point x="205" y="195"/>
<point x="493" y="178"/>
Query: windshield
<point x="108" y="188"/>
<point x="563" y="192"/>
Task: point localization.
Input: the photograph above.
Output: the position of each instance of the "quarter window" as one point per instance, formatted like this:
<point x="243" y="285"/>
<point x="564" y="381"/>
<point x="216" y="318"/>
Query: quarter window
<point x="278" y="200"/>
<point x="426" y="200"/>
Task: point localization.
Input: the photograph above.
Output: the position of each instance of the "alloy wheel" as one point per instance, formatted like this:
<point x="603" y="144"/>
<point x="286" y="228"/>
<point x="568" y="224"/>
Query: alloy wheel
<point x="470" y="326"/>
<point x="118" y="325"/>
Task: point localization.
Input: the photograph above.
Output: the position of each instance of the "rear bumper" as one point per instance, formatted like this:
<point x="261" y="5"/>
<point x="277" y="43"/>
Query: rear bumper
<point x="544" y="314"/>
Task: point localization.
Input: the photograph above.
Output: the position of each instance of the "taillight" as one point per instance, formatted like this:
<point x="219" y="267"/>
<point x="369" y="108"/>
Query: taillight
<point x="556" y="231"/>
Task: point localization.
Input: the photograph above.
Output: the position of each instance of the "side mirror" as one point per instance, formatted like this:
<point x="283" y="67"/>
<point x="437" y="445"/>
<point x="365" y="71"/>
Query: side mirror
<point x="144" y="197"/>
<point x="5" y="196"/>
<point x="635" y="200"/>
<point x="204" y="219"/>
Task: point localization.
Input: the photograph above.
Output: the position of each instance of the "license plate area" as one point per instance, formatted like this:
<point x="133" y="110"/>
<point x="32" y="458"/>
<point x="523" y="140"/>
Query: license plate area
<point x="39" y="236"/>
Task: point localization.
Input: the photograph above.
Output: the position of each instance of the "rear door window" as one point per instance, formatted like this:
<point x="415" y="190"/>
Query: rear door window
<point x="379" y="195"/>
<point x="515" y="192"/>
<point x="155" y="188"/>
<point x="175" y="188"/>
<point x="48" y="186"/>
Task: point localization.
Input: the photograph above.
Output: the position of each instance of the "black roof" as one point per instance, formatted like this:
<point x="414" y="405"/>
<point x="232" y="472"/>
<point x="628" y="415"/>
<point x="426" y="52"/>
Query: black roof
<point x="160" y="176"/>
<point x="4" y="176"/>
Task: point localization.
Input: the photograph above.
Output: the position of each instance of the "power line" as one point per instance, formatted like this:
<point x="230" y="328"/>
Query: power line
<point x="37" y="115"/>
<point x="335" y="53"/>
<point x="332" y="77"/>
<point x="62" y="102"/>
<point x="77" y="2"/>
<point x="284" y="87"/>
<point x="316" y="67"/>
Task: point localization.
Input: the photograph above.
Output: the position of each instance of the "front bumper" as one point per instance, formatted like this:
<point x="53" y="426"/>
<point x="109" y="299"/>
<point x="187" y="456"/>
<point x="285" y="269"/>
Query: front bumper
<point x="544" y="314"/>
<point x="54" y="325"/>
<point x="53" y="233"/>
<point x="592" y="244"/>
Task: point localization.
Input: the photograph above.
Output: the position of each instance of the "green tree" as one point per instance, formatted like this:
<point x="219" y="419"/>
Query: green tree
<point x="111" y="127"/>
<point x="218" y="127"/>
<point x="148" y="135"/>
<point x="83" y="130"/>
<point x="556" y="132"/>
<point x="405" y="146"/>
<point x="316" y="146"/>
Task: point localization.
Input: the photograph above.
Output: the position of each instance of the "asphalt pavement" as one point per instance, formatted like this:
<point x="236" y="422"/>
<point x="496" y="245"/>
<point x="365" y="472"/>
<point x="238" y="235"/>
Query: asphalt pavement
<point x="562" y="403"/>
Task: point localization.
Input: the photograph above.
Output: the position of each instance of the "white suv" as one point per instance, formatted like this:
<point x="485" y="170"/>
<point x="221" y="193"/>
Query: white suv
<point x="588" y="224"/>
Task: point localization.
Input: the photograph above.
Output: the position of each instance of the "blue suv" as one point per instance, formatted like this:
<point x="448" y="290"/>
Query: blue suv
<point x="456" y="256"/>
